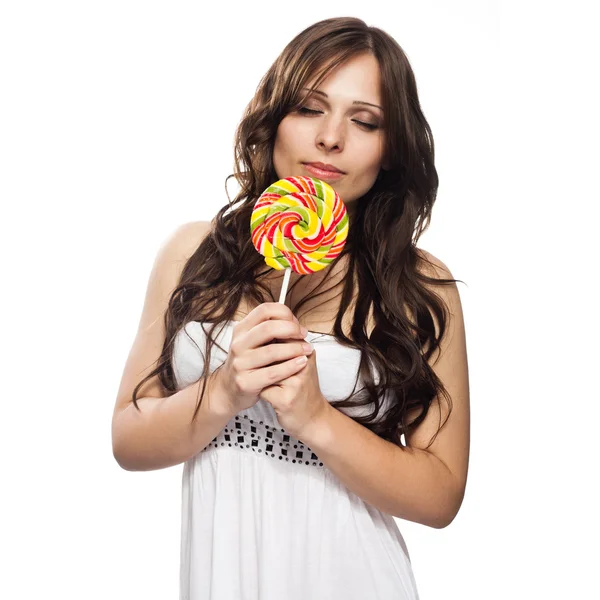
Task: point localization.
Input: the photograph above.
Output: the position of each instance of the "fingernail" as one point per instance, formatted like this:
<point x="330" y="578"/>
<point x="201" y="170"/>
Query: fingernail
<point x="304" y="331"/>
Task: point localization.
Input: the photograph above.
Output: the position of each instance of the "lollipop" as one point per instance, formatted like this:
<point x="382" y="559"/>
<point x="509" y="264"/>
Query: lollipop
<point x="299" y="223"/>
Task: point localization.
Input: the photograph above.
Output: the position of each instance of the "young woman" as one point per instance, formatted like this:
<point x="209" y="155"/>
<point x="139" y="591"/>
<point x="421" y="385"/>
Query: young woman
<point x="294" y="471"/>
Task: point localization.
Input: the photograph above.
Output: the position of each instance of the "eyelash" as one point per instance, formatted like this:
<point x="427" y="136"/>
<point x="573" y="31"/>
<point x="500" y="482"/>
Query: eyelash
<point x="369" y="126"/>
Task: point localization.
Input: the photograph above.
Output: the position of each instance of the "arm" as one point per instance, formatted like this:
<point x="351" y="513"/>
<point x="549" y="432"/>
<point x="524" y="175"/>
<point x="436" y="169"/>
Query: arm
<point x="407" y="483"/>
<point x="424" y="486"/>
<point x="162" y="434"/>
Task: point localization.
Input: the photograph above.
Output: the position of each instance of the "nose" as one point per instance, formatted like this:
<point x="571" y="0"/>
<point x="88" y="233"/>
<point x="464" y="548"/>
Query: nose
<point x="330" y="135"/>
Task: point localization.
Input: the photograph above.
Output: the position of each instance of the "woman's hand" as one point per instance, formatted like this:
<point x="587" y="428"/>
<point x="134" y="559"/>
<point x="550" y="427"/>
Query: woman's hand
<point x="254" y="362"/>
<point x="298" y="400"/>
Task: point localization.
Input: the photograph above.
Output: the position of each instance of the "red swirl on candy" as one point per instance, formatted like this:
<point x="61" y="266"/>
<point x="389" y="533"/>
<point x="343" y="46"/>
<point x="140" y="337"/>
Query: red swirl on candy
<point x="299" y="223"/>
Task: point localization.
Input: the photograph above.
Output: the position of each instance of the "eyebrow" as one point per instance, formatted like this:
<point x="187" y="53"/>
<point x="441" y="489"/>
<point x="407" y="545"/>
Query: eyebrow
<point x="355" y="101"/>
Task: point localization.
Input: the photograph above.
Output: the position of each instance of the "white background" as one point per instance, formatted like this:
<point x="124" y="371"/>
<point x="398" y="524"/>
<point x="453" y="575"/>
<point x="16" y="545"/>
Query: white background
<point x="116" y="126"/>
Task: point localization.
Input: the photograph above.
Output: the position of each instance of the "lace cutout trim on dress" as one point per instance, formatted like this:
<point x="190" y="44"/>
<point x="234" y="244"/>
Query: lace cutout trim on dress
<point x="247" y="434"/>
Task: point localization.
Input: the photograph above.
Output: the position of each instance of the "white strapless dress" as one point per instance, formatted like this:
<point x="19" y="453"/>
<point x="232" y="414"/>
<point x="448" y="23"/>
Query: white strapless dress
<point x="264" y="519"/>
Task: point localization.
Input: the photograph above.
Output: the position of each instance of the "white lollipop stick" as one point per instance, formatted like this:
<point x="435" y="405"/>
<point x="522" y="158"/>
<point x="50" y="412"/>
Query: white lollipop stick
<point x="286" y="280"/>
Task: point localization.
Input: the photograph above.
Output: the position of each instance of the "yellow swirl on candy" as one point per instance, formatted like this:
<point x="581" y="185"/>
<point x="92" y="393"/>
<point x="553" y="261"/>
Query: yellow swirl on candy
<point x="299" y="223"/>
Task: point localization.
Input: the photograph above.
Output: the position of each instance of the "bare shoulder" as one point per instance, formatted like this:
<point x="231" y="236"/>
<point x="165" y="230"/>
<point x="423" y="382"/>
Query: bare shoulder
<point x="432" y="266"/>
<point x="174" y="252"/>
<point x="187" y="237"/>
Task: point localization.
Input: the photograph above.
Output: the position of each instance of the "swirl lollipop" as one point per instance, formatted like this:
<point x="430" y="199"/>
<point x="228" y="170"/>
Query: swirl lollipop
<point x="299" y="223"/>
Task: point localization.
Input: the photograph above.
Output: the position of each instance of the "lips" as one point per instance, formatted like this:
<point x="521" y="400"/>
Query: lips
<point x="328" y="176"/>
<point x="325" y="167"/>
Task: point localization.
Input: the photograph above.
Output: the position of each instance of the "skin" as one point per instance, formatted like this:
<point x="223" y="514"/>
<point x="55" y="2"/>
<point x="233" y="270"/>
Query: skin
<point x="334" y="135"/>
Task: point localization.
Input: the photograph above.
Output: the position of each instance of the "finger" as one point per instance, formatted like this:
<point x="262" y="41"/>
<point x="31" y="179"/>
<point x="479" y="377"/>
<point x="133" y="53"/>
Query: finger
<point x="272" y="354"/>
<point x="270" y="331"/>
<point x="262" y="378"/>
<point x="265" y="312"/>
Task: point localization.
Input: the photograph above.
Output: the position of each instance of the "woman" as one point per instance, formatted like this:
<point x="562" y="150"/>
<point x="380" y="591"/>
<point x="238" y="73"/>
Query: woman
<point x="294" y="471"/>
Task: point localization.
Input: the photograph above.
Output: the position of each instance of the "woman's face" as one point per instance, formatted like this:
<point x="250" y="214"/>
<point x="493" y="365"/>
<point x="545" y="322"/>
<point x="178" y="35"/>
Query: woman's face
<point x="339" y="133"/>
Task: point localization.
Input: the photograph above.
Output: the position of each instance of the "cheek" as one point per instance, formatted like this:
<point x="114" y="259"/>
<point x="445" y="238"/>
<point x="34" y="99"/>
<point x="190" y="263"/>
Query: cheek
<point x="369" y="160"/>
<point x="375" y="157"/>
<point x="286" y="133"/>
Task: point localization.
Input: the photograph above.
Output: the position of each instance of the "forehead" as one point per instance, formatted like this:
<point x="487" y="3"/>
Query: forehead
<point x="358" y="78"/>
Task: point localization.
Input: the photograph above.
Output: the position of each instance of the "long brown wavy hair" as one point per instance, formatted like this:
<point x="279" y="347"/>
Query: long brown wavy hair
<point x="381" y="244"/>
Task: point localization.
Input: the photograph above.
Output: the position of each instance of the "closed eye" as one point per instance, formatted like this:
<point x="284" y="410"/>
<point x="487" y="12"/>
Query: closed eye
<point x="368" y="126"/>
